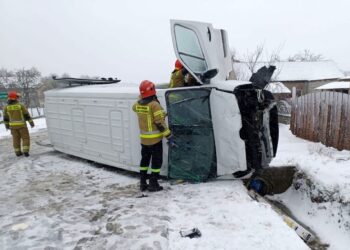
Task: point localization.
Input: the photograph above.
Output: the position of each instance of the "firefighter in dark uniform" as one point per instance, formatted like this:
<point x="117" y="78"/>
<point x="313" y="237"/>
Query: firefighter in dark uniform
<point x="153" y="128"/>
<point x="15" y="117"/>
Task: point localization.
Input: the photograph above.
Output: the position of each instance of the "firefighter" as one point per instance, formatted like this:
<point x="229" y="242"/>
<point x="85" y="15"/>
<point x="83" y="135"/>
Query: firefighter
<point x="153" y="128"/>
<point x="15" y="117"/>
<point x="177" y="79"/>
<point x="180" y="77"/>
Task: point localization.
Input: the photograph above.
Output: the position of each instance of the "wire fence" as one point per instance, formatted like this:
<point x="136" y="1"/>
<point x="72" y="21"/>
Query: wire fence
<point x="322" y="117"/>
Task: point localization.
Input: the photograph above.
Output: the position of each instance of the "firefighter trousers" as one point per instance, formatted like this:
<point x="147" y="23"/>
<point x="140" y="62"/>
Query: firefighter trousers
<point x="20" y="135"/>
<point x="154" y="153"/>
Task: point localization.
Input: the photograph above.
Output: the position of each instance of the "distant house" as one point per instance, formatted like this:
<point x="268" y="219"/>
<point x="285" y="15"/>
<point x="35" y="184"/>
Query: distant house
<point x="341" y="86"/>
<point x="305" y="76"/>
<point x="345" y="79"/>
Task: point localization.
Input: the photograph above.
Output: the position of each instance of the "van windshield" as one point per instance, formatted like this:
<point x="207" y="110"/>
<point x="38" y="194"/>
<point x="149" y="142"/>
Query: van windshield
<point x="194" y="157"/>
<point x="189" y="49"/>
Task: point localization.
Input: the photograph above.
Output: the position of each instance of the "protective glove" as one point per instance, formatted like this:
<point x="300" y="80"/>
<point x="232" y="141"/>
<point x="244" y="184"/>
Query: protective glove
<point x="170" y="141"/>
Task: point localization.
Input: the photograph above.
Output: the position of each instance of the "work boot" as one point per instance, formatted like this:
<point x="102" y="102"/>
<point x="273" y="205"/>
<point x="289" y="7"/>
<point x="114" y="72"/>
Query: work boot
<point x="153" y="183"/>
<point x="143" y="180"/>
<point x="18" y="154"/>
<point x="26" y="154"/>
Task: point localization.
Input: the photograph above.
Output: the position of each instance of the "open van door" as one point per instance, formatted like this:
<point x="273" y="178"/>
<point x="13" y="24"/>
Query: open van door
<point x="203" y="50"/>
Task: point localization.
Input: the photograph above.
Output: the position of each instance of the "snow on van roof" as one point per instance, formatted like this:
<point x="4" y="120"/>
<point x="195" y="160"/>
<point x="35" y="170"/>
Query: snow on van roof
<point x="101" y="88"/>
<point x="129" y="89"/>
<point x="295" y="71"/>
<point x="335" y="85"/>
<point x="277" y="88"/>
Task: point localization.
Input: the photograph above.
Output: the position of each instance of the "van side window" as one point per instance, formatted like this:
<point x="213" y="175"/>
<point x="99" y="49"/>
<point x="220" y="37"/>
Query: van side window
<point x="189" y="49"/>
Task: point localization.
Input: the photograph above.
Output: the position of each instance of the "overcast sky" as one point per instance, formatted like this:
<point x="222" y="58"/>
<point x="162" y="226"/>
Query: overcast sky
<point x="131" y="39"/>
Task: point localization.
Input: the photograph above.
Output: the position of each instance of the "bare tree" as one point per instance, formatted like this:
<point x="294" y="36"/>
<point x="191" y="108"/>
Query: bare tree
<point x="274" y="58"/>
<point x="65" y="75"/>
<point x="305" y="56"/>
<point x="48" y="82"/>
<point x="252" y="58"/>
<point x="257" y="58"/>
<point x="234" y="55"/>
<point x="26" y="80"/>
<point x="6" y="77"/>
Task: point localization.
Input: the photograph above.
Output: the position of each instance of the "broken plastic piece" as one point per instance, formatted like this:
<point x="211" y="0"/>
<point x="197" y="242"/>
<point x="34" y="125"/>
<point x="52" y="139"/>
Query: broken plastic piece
<point x="192" y="233"/>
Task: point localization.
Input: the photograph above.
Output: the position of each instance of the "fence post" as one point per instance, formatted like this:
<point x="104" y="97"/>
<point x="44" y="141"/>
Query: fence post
<point x="293" y="111"/>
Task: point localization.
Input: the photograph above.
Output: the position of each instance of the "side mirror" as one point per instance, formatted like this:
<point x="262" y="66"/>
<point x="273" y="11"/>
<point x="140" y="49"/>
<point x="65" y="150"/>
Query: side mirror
<point x="262" y="77"/>
<point x="206" y="76"/>
<point x="210" y="73"/>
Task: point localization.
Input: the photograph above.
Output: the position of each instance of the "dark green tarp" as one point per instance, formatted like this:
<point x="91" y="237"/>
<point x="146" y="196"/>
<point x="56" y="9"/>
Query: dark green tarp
<point x="193" y="158"/>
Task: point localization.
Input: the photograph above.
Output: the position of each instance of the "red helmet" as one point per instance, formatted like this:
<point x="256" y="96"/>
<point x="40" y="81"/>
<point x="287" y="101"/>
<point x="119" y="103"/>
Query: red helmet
<point x="147" y="88"/>
<point x="12" y="95"/>
<point x="178" y="64"/>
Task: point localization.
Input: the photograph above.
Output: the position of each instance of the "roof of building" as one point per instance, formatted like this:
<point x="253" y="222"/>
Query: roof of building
<point x="294" y="71"/>
<point x="277" y="88"/>
<point x="345" y="78"/>
<point x="335" y="85"/>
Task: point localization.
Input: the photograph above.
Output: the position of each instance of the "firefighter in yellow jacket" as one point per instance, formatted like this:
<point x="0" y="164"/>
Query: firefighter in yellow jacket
<point x="180" y="77"/>
<point x="177" y="78"/>
<point x="153" y="128"/>
<point x="15" y="117"/>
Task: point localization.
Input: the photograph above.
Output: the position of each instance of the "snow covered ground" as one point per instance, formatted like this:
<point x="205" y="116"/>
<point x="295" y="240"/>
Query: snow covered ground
<point x="55" y="201"/>
<point x="322" y="198"/>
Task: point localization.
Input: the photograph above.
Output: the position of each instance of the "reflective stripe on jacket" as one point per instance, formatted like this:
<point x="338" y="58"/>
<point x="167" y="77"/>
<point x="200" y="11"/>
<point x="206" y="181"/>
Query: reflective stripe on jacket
<point x="16" y="115"/>
<point x="151" y="117"/>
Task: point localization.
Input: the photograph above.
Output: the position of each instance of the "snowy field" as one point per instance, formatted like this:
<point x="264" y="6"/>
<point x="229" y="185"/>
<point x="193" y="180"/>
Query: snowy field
<point x="327" y="185"/>
<point x="54" y="201"/>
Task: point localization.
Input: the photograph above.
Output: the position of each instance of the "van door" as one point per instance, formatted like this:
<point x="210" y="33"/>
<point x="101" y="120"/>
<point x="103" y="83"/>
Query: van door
<point x="193" y="158"/>
<point x="202" y="50"/>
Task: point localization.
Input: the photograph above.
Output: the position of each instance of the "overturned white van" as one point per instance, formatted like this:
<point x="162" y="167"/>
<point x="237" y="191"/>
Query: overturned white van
<point x="220" y="127"/>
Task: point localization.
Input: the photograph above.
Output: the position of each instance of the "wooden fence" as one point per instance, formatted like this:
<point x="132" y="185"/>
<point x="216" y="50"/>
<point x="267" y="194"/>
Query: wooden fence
<point x="322" y="117"/>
